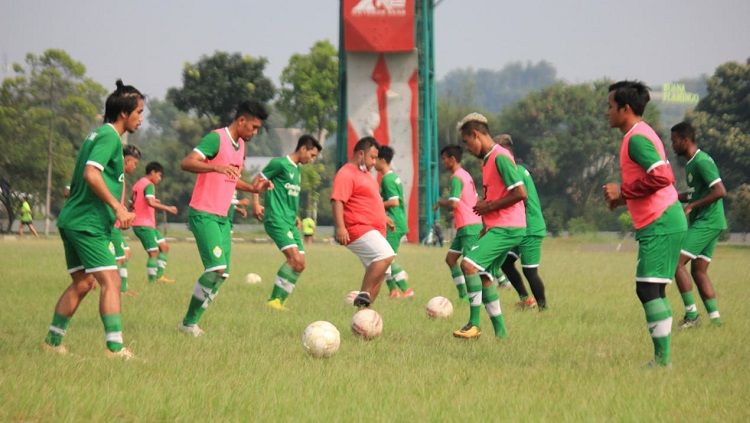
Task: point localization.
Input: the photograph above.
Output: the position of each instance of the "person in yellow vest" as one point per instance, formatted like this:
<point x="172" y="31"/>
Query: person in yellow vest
<point x="26" y="218"/>
<point x="308" y="229"/>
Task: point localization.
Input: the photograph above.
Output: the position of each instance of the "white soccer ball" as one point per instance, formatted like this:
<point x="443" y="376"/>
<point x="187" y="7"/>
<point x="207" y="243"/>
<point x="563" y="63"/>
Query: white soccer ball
<point x="252" y="278"/>
<point x="321" y="339"/>
<point x="367" y="323"/>
<point x="439" y="307"/>
<point x="349" y="299"/>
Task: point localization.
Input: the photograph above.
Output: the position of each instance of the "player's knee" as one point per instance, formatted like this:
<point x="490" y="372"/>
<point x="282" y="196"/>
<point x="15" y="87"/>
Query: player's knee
<point x="647" y="291"/>
<point x="697" y="272"/>
<point x="450" y="260"/>
<point x="164" y="247"/>
<point x="468" y="268"/>
<point x="530" y="272"/>
<point x="297" y="264"/>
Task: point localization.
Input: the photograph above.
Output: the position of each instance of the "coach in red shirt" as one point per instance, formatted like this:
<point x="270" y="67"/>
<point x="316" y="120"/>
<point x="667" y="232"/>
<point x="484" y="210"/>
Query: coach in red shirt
<point x="360" y="220"/>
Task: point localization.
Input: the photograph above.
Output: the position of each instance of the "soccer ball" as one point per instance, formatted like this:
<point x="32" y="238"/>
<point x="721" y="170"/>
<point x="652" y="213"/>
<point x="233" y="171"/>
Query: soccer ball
<point x="252" y="279"/>
<point x="321" y="339"/>
<point x="367" y="323"/>
<point x="439" y="307"/>
<point x="349" y="299"/>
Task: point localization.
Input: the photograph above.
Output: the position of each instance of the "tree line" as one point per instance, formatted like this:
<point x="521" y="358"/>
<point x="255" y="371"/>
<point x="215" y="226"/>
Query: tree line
<point x="559" y="129"/>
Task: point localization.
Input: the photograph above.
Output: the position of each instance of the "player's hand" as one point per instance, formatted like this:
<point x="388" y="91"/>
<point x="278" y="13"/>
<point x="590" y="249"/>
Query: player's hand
<point x="482" y="207"/>
<point x="260" y="185"/>
<point x="124" y="217"/>
<point x="612" y="195"/>
<point x="242" y="212"/>
<point x="229" y="170"/>
<point x="259" y="211"/>
<point x="390" y="224"/>
<point x="342" y="236"/>
<point x="688" y="208"/>
<point x="172" y="209"/>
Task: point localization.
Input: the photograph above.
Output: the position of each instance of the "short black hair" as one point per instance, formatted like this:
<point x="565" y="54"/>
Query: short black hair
<point x="251" y="108"/>
<point x="154" y="167"/>
<point x="632" y="93"/>
<point x="124" y="99"/>
<point x="308" y="141"/>
<point x="132" y="151"/>
<point x="454" y="151"/>
<point x="365" y="144"/>
<point x="386" y="153"/>
<point x="475" y="125"/>
<point x="684" y="130"/>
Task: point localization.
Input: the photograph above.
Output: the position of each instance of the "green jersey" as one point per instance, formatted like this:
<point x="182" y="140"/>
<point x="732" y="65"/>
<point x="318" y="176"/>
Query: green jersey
<point x="84" y="211"/>
<point x="534" y="219"/>
<point x="282" y="202"/>
<point x="390" y="188"/>
<point x="702" y="174"/>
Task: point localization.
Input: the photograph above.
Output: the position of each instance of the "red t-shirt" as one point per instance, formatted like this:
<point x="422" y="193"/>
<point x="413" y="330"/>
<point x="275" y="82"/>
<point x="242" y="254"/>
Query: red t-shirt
<point x="363" y="207"/>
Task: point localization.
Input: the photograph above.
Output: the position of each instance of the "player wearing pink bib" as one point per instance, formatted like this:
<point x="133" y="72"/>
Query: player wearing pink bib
<point x="504" y="217"/>
<point x="647" y="189"/>
<point x="462" y="199"/>
<point x="218" y="160"/>
<point x="144" y="203"/>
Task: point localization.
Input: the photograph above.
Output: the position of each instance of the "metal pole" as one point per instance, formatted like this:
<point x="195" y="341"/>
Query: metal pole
<point x="342" y="141"/>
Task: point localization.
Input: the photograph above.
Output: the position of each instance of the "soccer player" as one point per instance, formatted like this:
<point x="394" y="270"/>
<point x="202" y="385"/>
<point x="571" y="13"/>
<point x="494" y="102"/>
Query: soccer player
<point x="218" y="160"/>
<point x="280" y="215"/>
<point x="26" y="218"/>
<point x="131" y="156"/>
<point x="86" y="220"/>
<point x="705" y="213"/>
<point x="530" y="249"/>
<point x="359" y="218"/>
<point x="145" y="204"/>
<point x="462" y="199"/>
<point x="308" y="229"/>
<point x="504" y="218"/>
<point x="392" y="193"/>
<point x="647" y="189"/>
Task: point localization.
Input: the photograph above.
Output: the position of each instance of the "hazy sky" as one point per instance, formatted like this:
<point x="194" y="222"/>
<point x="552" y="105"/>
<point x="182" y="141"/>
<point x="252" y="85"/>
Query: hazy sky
<point x="147" y="42"/>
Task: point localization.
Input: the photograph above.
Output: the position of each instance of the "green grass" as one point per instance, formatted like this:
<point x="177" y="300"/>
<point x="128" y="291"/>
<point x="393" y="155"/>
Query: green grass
<point x="581" y="360"/>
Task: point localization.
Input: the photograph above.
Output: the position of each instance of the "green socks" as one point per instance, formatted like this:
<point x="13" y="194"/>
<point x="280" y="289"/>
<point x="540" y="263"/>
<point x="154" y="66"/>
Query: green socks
<point x="204" y="292"/>
<point x="123" y="276"/>
<point x="113" y="331"/>
<point x="458" y="279"/>
<point x="286" y="278"/>
<point x="57" y="329"/>
<point x="161" y="262"/>
<point x="713" y="310"/>
<point x="659" y="323"/>
<point x="691" y="311"/>
<point x="474" y="290"/>
<point x="491" y="301"/>
<point x="152" y="268"/>
<point x="399" y="276"/>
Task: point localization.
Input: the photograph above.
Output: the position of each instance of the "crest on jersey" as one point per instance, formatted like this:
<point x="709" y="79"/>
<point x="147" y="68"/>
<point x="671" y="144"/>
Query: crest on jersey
<point x="290" y="235"/>
<point x="690" y="177"/>
<point x="217" y="251"/>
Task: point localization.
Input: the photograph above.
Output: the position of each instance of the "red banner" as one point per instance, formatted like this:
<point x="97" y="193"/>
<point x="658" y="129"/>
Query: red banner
<point x="385" y="26"/>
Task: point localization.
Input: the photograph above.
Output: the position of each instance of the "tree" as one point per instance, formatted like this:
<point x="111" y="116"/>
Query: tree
<point x="738" y="202"/>
<point x="722" y="122"/>
<point x="45" y="111"/>
<point x="214" y="86"/>
<point x="562" y="133"/>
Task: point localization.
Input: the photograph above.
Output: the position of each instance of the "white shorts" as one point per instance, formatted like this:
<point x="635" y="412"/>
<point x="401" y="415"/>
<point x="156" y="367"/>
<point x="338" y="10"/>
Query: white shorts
<point x="371" y="247"/>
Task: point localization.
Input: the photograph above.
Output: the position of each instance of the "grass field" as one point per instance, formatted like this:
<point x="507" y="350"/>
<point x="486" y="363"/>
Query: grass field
<point x="580" y="361"/>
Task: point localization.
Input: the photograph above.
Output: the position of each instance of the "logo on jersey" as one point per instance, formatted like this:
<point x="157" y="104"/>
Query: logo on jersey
<point x="121" y="178"/>
<point x="290" y="235"/>
<point x="292" y="189"/>
<point x="217" y="251"/>
<point x="690" y="178"/>
<point x="112" y="248"/>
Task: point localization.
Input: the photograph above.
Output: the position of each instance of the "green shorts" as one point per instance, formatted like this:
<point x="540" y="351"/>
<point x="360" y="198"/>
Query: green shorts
<point x="658" y="256"/>
<point x="394" y="239"/>
<point x="489" y="253"/>
<point x="466" y="238"/>
<point x="700" y="243"/>
<point x="529" y="251"/>
<point x="150" y="237"/>
<point x="284" y="236"/>
<point x="119" y="243"/>
<point x="86" y="251"/>
<point x="213" y="236"/>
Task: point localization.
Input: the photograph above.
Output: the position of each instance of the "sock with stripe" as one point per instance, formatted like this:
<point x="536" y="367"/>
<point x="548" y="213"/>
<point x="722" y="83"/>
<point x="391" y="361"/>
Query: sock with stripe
<point x="204" y="292"/>
<point x="400" y="276"/>
<point x="713" y="310"/>
<point x="152" y="268"/>
<point x="113" y="331"/>
<point x="691" y="310"/>
<point x="458" y="279"/>
<point x="474" y="290"/>
<point x="659" y="323"/>
<point x="161" y="262"/>
<point x="123" y="268"/>
<point x="491" y="300"/>
<point x="283" y="285"/>
<point x="57" y="329"/>
<point x="391" y="283"/>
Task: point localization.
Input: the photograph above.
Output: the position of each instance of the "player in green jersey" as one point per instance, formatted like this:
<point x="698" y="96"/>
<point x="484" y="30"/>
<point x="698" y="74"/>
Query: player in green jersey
<point x="706" y="221"/>
<point x="86" y="220"/>
<point x="279" y="214"/>
<point x="392" y="193"/>
<point x="131" y="156"/>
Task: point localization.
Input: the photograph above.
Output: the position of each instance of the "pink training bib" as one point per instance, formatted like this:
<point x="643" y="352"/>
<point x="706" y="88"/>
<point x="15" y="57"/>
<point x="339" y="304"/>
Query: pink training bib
<point x="494" y="188"/>
<point x="464" y="215"/>
<point x="213" y="191"/>
<point x="145" y="215"/>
